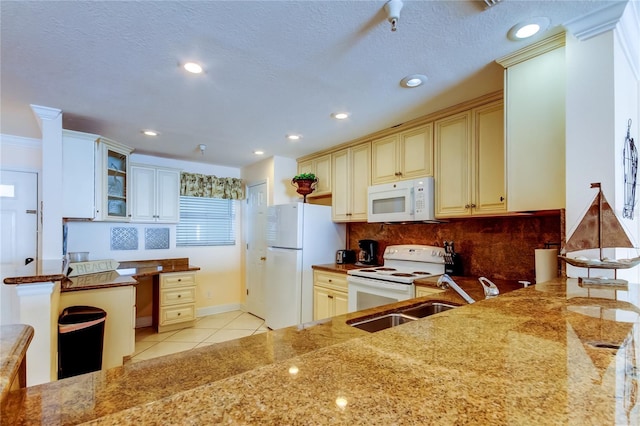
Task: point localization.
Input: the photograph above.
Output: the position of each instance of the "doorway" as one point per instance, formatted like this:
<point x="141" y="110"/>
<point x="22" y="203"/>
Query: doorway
<point x="256" y="248"/>
<point x="18" y="235"/>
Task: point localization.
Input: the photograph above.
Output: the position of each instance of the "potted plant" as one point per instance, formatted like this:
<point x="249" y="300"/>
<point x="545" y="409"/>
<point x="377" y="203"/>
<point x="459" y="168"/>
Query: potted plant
<point x="305" y="184"/>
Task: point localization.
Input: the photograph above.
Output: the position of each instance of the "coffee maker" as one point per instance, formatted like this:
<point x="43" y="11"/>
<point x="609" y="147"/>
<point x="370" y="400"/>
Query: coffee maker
<point x="368" y="253"/>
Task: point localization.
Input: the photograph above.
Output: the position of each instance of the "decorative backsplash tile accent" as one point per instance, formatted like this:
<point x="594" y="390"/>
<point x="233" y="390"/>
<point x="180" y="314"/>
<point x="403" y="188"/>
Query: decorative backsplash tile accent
<point x="124" y="238"/>
<point x="156" y="238"/>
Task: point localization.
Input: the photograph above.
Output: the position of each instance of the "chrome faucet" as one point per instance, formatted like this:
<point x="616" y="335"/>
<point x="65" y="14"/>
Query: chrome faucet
<point x="490" y="289"/>
<point x="445" y="281"/>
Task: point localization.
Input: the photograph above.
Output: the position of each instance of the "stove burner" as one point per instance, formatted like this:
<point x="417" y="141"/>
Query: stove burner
<point x="402" y="274"/>
<point x="386" y="269"/>
<point x="422" y="273"/>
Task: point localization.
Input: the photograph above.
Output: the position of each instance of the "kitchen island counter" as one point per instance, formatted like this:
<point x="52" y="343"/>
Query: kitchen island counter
<point x="553" y="353"/>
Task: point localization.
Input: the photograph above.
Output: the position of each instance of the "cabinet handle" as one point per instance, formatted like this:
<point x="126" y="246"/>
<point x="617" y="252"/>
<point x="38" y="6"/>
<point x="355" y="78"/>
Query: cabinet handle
<point x="330" y="280"/>
<point x="179" y="296"/>
<point x="179" y="313"/>
<point x="501" y="198"/>
<point x="473" y="205"/>
<point x="466" y="206"/>
<point x="179" y="279"/>
<point x="263" y="258"/>
<point x="330" y="296"/>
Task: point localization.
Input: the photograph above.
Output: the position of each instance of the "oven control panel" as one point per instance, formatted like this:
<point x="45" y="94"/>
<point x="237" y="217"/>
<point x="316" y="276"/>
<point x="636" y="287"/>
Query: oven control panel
<point x="415" y="252"/>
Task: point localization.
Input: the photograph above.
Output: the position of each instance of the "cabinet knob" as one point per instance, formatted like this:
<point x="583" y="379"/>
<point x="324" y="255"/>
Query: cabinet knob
<point x="179" y="313"/>
<point x="501" y="198"/>
<point x="330" y="280"/>
<point x="263" y="258"/>
<point x="473" y="205"/>
<point x="179" y="296"/>
<point x="179" y="279"/>
<point x="330" y="296"/>
<point x="466" y="206"/>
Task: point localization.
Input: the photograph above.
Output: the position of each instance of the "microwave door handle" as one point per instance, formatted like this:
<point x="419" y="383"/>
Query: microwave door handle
<point x="411" y="201"/>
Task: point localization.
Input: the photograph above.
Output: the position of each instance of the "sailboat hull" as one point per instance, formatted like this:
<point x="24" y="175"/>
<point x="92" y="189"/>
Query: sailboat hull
<point x="602" y="264"/>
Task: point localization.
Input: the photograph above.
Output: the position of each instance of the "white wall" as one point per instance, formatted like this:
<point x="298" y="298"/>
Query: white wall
<point x="278" y="171"/>
<point x="602" y="88"/>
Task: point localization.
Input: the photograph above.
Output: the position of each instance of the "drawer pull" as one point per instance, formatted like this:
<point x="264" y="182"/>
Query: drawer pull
<point x="330" y="280"/>
<point x="179" y="313"/>
<point x="179" y="279"/>
<point x="179" y="296"/>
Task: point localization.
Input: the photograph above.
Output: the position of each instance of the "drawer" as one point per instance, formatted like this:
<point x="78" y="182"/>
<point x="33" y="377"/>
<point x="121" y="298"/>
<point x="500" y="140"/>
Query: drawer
<point x="332" y="280"/>
<point x="177" y="295"/>
<point x="177" y="279"/>
<point x="177" y="314"/>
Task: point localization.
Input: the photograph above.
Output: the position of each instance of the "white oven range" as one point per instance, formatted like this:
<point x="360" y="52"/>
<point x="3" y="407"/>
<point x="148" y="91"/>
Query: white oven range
<point x="393" y="282"/>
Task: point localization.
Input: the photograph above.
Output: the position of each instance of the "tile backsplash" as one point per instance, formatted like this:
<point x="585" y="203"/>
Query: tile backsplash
<point x="501" y="248"/>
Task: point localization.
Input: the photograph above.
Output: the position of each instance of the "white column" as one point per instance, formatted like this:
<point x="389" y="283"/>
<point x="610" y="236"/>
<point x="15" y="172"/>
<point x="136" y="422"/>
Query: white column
<point x="50" y="241"/>
<point x="39" y="309"/>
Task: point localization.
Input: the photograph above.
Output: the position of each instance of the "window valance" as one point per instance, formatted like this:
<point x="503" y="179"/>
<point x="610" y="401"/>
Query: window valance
<point x="197" y="185"/>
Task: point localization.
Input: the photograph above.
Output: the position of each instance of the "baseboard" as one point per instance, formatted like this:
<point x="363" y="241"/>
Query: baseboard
<point x="218" y="309"/>
<point x="144" y="322"/>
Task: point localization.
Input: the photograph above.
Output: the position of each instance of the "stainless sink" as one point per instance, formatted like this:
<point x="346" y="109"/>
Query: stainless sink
<point x="394" y="319"/>
<point x="383" y="321"/>
<point x="426" y="309"/>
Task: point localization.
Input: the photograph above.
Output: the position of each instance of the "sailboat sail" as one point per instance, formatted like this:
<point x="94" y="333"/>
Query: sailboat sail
<point x="599" y="228"/>
<point x="588" y="236"/>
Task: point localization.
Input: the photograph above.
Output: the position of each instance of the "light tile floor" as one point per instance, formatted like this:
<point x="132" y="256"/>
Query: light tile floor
<point x="207" y="331"/>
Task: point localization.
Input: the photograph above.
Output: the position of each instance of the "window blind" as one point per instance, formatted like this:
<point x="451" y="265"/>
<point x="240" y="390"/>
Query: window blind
<point x="206" y="222"/>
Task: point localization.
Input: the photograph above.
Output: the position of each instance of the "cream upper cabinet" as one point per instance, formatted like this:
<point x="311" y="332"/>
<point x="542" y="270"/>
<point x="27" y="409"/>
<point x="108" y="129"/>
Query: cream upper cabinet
<point x="78" y="174"/>
<point x="321" y="167"/>
<point x="112" y="181"/>
<point x="535" y="126"/>
<point x="351" y="176"/>
<point x="405" y="155"/>
<point x="469" y="163"/>
<point x="155" y="194"/>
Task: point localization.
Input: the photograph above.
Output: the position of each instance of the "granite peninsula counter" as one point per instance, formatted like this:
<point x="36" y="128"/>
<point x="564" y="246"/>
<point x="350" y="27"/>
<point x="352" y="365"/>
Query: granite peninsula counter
<point x="554" y="353"/>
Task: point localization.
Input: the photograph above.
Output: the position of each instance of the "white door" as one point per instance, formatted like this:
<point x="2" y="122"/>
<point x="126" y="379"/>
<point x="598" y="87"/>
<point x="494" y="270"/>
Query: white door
<point x="18" y="234"/>
<point x="256" y="254"/>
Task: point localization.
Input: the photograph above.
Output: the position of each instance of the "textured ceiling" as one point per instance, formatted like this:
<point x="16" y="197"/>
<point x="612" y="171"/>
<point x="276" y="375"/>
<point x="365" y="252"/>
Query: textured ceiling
<point x="271" y="68"/>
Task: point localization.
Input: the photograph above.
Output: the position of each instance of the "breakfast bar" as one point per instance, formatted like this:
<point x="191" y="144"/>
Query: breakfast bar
<point x="553" y="353"/>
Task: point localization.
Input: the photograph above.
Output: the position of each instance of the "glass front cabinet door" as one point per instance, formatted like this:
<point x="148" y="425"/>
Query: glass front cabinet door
<point x="112" y="181"/>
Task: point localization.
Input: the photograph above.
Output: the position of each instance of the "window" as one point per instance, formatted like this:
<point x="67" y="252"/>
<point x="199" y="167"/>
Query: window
<point x="206" y="222"/>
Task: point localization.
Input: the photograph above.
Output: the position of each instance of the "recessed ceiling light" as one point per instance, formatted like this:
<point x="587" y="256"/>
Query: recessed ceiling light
<point x="340" y="115"/>
<point x="150" y="132"/>
<point x="528" y="28"/>
<point x="192" y="67"/>
<point x="294" y="137"/>
<point x="258" y="152"/>
<point x="413" y="80"/>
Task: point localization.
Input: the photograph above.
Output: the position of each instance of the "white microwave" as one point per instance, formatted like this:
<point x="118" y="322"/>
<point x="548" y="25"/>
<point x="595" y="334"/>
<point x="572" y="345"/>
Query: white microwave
<point x="402" y="201"/>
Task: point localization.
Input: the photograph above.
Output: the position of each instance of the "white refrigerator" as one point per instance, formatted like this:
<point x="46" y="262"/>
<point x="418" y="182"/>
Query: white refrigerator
<point x="299" y="235"/>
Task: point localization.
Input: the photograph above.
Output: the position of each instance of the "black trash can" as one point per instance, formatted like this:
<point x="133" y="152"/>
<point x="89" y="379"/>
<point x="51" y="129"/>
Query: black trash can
<point x="80" y="340"/>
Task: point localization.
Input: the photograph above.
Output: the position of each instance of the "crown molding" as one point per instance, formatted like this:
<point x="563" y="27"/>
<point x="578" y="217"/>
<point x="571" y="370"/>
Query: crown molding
<point x="596" y="22"/>
<point x="20" y="141"/>
<point x="531" y="51"/>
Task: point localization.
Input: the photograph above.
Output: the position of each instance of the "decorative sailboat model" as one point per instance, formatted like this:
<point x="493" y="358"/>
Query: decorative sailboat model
<point x="599" y="228"/>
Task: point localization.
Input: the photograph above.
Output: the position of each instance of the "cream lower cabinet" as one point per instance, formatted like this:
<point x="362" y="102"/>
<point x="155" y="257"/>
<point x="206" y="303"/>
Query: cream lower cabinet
<point x="176" y="303"/>
<point x="405" y="155"/>
<point x="422" y="291"/>
<point x="469" y="163"/>
<point x="321" y="167"/>
<point x="351" y="176"/>
<point x="119" y="328"/>
<point x="330" y="294"/>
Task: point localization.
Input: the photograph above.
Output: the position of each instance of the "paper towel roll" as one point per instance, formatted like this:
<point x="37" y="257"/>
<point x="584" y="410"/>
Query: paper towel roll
<point x="546" y="264"/>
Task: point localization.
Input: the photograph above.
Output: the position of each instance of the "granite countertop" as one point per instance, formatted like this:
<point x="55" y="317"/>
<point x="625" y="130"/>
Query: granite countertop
<point x="335" y="267"/>
<point x="14" y="341"/>
<point x="553" y="353"/>
<point x="126" y="274"/>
